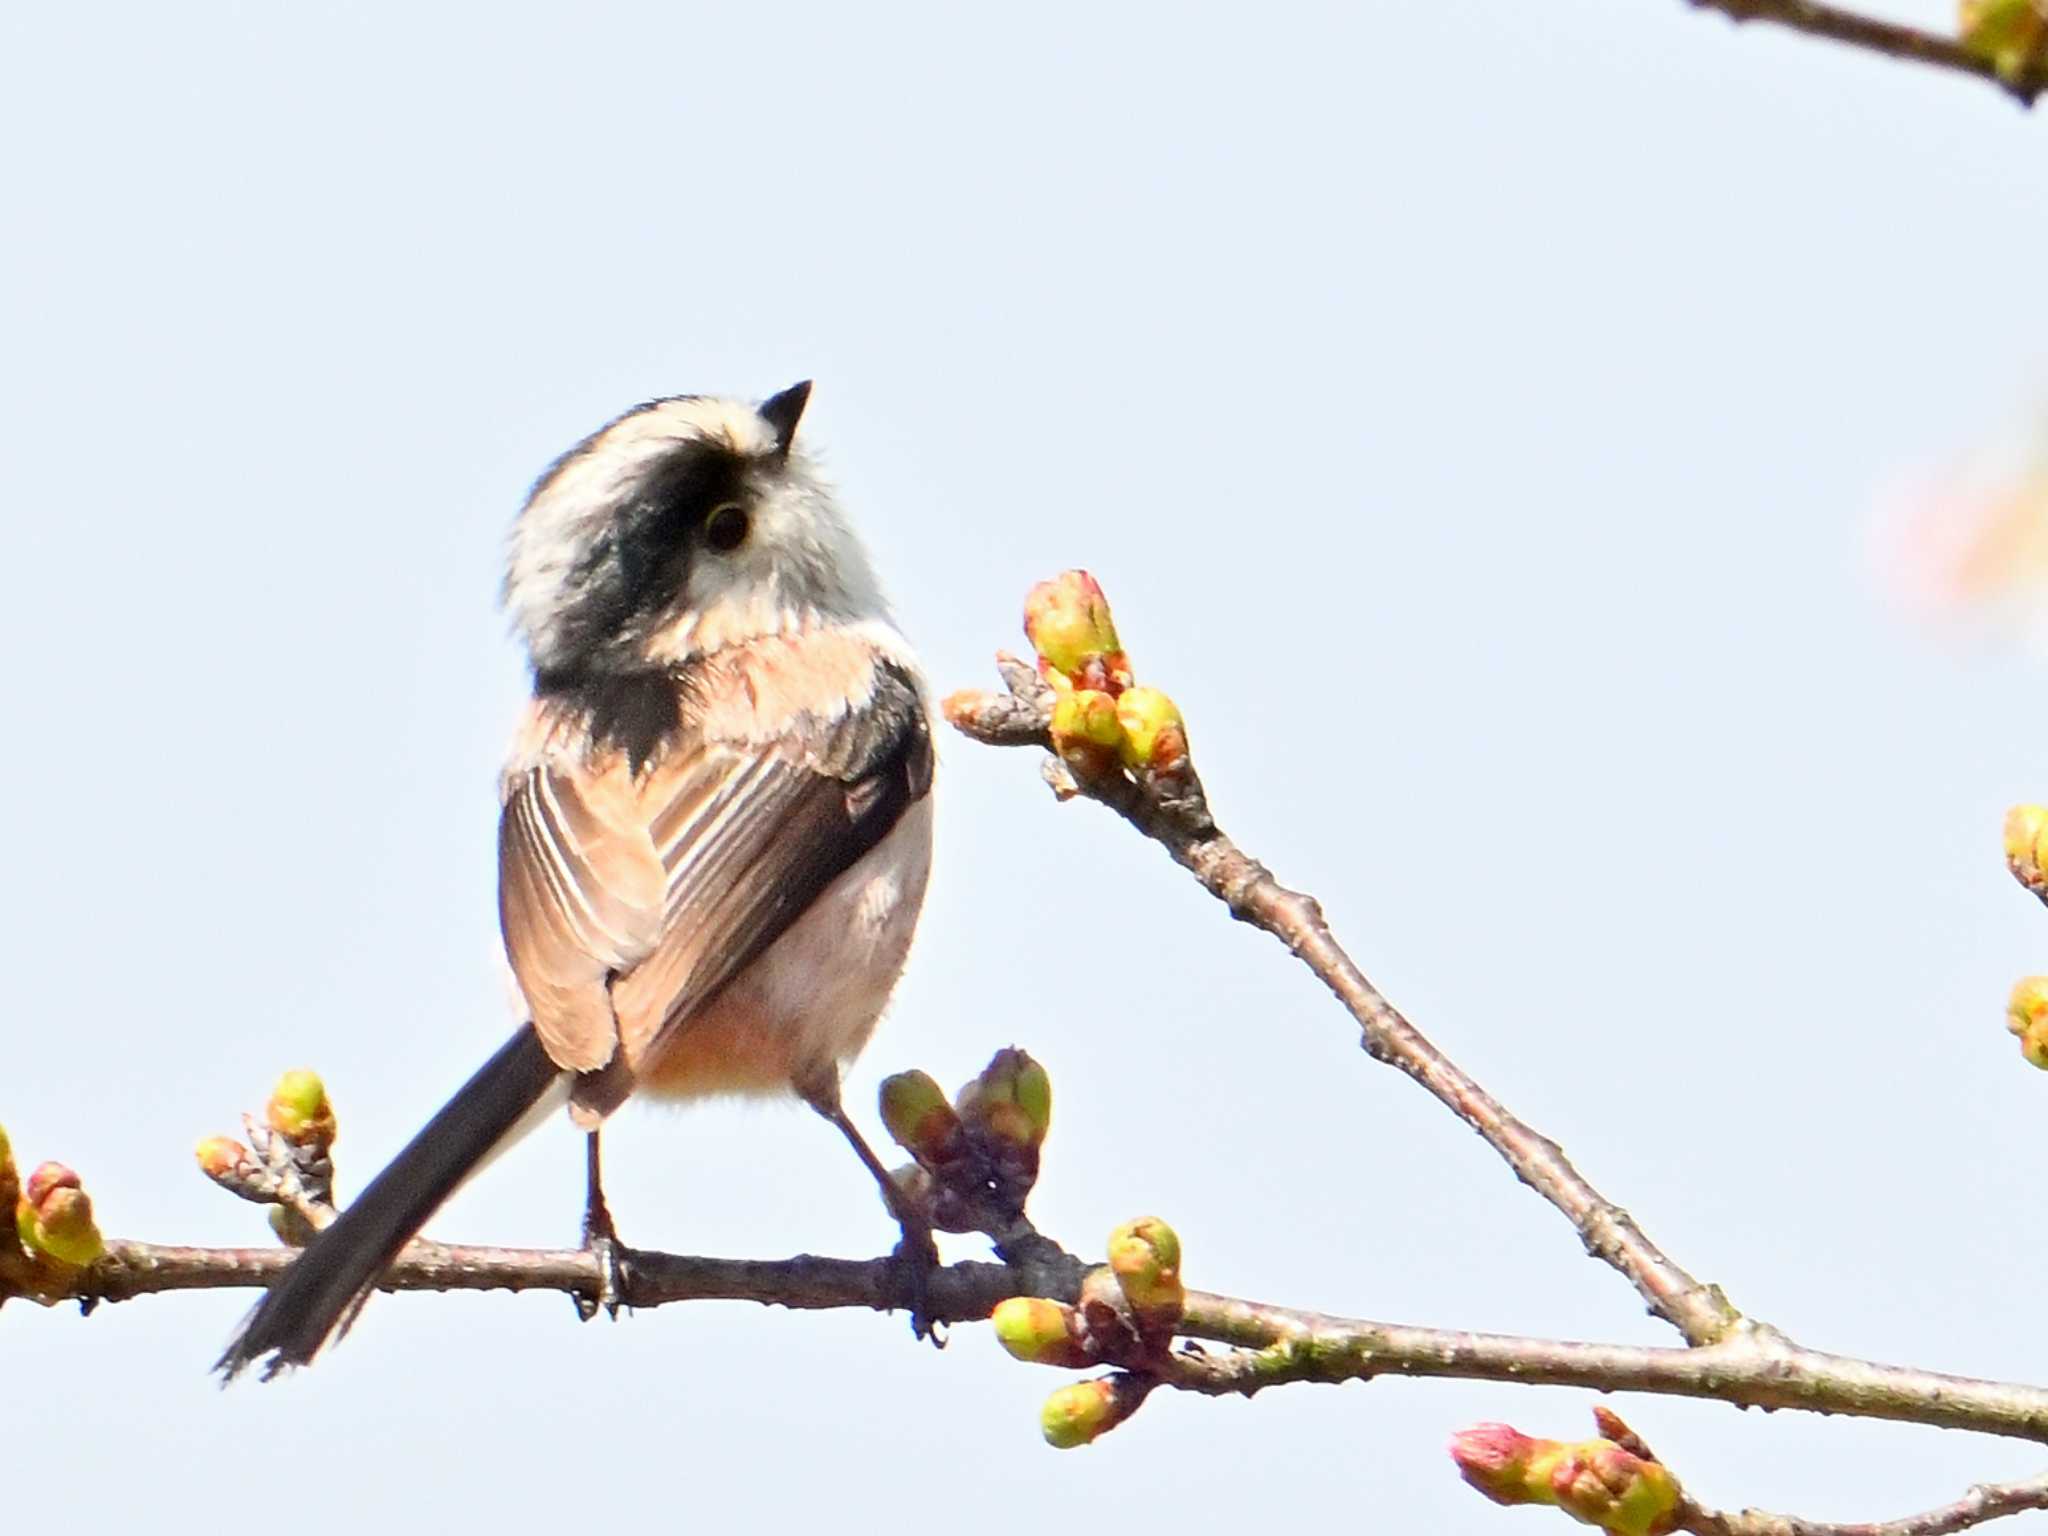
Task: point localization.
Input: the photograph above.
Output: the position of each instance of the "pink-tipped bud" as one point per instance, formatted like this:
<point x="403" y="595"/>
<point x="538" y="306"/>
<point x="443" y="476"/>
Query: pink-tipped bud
<point x="1615" y="1486"/>
<point x="1494" y="1458"/>
<point x="1144" y="1255"/>
<point x="1040" y="1332"/>
<point x="54" y="1216"/>
<point x="1085" y="1411"/>
<point x="2026" y="1015"/>
<point x="1154" y="735"/>
<point x="920" y="1118"/>
<point x="1069" y="625"/>
<point x="299" y="1110"/>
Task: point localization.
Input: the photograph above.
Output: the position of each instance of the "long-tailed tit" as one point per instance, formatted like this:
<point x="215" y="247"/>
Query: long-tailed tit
<point x="716" y="825"/>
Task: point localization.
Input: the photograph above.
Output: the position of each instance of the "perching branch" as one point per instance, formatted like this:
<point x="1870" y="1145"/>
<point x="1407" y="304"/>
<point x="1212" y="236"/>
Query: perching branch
<point x="1269" y="1345"/>
<point x="2024" y="73"/>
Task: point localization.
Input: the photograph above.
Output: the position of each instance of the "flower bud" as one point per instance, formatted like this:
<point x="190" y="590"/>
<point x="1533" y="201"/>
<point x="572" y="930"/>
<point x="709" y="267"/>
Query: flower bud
<point x="1494" y="1458"/>
<point x="54" y="1216"/>
<point x="2026" y="846"/>
<point x="1011" y="1101"/>
<point x="2026" y="1015"/>
<point x="920" y="1119"/>
<point x="300" y="1112"/>
<point x="225" y="1161"/>
<point x="1040" y="1332"/>
<point x="2012" y="34"/>
<point x="1154" y="735"/>
<point x="1068" y="623"/>
<point x="1144" y="1255"/>
<point x="1087" y="1410"/>
<point x="1085" y="732"/>
<point x="1617" y="1487"/>
<point x="1602" y="1484"/>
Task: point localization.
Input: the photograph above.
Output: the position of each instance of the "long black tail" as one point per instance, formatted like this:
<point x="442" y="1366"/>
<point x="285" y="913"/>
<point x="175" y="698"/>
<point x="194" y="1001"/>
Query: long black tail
<point x="320" y="1291"/>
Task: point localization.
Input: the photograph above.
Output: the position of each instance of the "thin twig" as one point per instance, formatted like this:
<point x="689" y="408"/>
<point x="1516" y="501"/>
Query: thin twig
<point x="1884" y="37"/>
<point x="1175" y="814"/>
<point x="1987" y="1501"/>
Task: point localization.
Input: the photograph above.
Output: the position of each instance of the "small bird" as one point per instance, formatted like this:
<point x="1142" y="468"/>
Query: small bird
<point x="716" y="824"/>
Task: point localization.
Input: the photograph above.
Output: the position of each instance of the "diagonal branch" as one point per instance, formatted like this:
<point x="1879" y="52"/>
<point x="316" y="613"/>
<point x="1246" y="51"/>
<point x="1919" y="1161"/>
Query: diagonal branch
<point x="1175" y="814"/>
<point x="1887" y="38"/>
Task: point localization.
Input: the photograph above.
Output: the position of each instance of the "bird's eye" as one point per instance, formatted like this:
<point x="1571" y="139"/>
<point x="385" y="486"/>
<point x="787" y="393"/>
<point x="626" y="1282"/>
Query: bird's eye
<point x="726" y="528"/>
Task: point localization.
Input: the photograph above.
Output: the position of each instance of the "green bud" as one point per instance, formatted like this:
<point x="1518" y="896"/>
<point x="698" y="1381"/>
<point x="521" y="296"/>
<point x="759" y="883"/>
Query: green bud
<point x="1144" y="1255"/>
<point x="1010" y="1101"/>
<point x="299" y="1110"/>
<point x="919" y="1118"/>
<point x="1083" y="1412"/>
<point x="1154" y="735"/>
<point x="2012" y="34"/>
<point x="1040" y="1332"/>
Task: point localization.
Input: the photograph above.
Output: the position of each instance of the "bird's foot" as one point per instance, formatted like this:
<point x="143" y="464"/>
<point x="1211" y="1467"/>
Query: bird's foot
<point x="614" y="1261"/>
<point x="917" y="1259"/>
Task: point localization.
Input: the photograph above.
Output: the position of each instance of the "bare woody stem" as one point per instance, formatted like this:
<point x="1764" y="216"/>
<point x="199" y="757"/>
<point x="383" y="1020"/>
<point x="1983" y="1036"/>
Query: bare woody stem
<point x="1175" y="814"/>
<point x="1883" y="37"/>
<point x="1987" y="1501"/>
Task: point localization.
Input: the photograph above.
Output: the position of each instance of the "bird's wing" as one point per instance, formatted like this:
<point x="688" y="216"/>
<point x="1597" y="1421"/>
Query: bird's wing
<point x="730" y="842"/>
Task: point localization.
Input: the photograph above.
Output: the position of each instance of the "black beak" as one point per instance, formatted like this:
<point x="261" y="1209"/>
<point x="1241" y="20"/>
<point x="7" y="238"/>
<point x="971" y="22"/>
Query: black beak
<point x="784" y="411"/>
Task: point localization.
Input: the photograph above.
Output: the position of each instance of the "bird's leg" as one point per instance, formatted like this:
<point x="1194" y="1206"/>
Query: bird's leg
<point x="600" y="1238"/>
<point x="917" y="1254"/>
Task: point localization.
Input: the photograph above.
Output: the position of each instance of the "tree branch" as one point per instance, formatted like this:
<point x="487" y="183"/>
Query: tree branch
<point x="1752" y="1367"/>
<point x="1987" y="1501"/>
<point x="1884" y="37"/>
<point x="1174" y="813"/>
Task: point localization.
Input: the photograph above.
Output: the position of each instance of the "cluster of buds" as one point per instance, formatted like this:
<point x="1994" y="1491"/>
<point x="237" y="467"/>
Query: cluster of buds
<point x="977" y="1153"/>
<point x="2012" y="34"/>
<point x="2026" y="855"/>
<point x="288" y="1163"/>
<point x="55" y="1236"/>
<point x="1126" y="1316"/>
<point x="1613" y="1482"/>
<point x="1100" y="718"/>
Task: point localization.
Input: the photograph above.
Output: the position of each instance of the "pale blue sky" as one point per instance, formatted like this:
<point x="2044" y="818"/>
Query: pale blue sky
<point x="1476" y="412"/>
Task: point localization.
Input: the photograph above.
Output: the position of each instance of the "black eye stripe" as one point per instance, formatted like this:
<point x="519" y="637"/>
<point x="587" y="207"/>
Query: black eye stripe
<point x="635" y="572"/>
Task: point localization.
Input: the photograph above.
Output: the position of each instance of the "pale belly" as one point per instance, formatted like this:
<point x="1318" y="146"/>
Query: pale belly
<point x="807" y="1006"/>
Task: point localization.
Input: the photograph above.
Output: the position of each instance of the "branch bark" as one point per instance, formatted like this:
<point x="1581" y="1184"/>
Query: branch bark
<point x="1268" y="1345"/>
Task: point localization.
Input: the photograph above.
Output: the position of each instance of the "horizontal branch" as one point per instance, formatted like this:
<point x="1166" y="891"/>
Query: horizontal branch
<point x="1752" y="1367"/>
<point x="1175" y="814"/>
<point x="1884" y="37"/>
